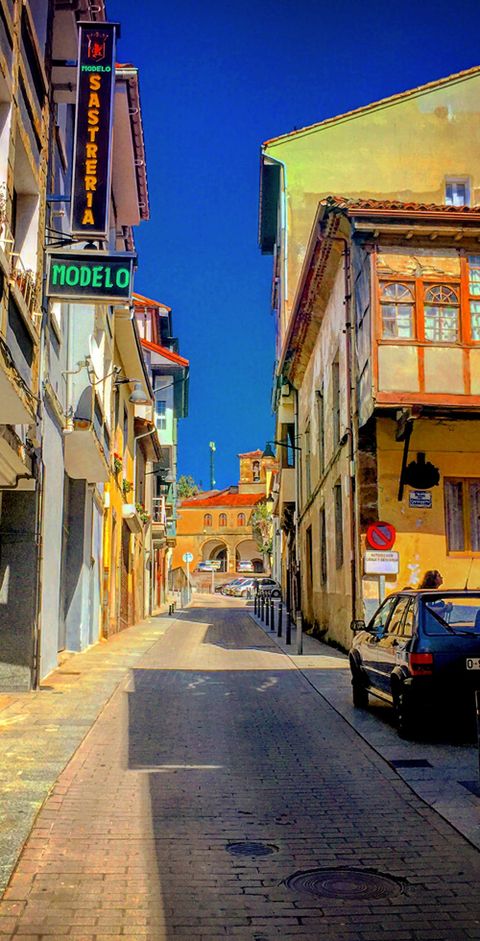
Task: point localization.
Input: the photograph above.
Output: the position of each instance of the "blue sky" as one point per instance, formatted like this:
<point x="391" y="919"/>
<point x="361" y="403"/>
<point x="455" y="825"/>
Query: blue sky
<point x="216" y="80"/>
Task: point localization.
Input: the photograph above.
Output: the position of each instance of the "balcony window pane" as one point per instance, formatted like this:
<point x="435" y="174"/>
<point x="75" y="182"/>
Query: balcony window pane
<point x="441" y="324"/>
<point x="474" y="279"/>
<point x="475" y="319"/>
<point x="397" y="311"/>
<point x="441" y="314"/>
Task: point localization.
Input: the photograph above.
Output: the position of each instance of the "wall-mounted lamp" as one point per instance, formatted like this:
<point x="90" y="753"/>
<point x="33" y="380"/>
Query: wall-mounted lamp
<point x="138" y="396"/>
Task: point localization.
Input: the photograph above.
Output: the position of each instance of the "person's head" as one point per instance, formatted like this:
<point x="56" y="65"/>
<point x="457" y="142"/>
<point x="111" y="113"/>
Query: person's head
<point x="431" y="579"/>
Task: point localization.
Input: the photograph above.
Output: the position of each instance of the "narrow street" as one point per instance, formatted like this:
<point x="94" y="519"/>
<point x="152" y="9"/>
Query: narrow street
<point x="217" y="739"/>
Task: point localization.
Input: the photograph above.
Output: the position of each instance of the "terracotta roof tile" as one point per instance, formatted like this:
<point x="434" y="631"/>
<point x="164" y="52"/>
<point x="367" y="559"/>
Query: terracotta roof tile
<point x="344" y="202"/>
<point x="225" y="498"/>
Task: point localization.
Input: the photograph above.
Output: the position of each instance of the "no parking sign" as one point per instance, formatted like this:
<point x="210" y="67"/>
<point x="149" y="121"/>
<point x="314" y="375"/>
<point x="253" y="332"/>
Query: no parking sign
<point x="381" y="536"/>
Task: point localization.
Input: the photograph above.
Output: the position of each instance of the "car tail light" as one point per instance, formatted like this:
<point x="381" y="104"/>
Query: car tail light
<point x="421" y="663"/>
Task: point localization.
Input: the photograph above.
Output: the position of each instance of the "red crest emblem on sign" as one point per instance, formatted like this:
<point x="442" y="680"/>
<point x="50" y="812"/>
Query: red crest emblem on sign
<point x="97" y="43"/>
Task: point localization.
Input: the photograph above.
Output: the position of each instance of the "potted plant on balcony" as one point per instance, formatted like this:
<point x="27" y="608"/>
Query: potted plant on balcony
<point x="144" y="516"/>
<point x="117" y="463"/>
<point x="127" y="487"/>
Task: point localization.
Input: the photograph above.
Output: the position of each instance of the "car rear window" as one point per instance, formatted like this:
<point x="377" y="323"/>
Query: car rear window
<point x="446" y="614"/>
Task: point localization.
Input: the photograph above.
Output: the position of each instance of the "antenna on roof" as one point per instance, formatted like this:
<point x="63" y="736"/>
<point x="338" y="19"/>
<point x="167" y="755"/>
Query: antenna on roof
<point x="213" y="448"/>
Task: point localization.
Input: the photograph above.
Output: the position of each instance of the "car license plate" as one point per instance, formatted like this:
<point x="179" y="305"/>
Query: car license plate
<point x="473" y="663"/>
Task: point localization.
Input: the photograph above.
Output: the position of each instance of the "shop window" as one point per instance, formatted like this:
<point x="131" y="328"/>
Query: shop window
<point x="337" y="497"/>
<point x="462" y="514"/>
<point x="207" y="519"/>
<point x="222" y="519"/>
<point x="241" y="520"/>
<point x="397" y="300"/>
<point x="441" y="310"/>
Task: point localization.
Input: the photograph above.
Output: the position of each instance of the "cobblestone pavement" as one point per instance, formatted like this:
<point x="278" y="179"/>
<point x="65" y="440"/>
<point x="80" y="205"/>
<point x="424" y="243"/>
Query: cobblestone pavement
<point x="217" y="738"/>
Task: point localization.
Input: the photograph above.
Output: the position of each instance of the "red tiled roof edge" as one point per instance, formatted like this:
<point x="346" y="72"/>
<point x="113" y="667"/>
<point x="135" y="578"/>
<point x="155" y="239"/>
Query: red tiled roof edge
<point x="148" y="300"/>
<point x="174" y="357"/>
<point x="395" y="205"/>
<point x="226" y="499"/>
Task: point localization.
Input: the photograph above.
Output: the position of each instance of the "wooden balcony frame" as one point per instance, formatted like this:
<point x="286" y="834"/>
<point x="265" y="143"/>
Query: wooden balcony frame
<point x="465" y="343"/>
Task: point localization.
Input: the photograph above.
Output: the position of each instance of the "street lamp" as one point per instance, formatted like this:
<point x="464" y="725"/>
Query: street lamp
<point x="281" y="444"/>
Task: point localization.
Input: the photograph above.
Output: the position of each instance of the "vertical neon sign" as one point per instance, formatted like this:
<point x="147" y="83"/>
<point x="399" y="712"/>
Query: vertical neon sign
<point x="93" y="130"/>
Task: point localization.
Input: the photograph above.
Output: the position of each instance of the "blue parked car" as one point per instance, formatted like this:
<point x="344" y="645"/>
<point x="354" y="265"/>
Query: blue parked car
<point x="420" y="651"/>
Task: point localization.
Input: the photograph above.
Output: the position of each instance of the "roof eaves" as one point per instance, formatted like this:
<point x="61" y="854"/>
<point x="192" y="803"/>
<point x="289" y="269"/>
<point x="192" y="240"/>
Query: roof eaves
<point x="130" y="75"/>
<point x="141" y="301"/>
<point x="397" y="210"/>
<point x="168" y="354"/>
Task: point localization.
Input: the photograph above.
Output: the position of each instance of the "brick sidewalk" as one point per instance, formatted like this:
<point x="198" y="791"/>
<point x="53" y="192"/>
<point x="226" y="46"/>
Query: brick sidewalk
<point x="217" y="737"/>
<point x="450" y="767"/>
<point x="40" y="730"/>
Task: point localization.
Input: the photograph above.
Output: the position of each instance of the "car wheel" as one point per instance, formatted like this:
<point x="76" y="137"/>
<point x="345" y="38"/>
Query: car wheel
<point x="359" y="691"/>
<point x="275" y="594"/>
<point x="403" y="713"/>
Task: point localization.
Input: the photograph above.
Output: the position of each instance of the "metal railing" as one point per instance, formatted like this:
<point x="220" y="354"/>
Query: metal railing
<point x="158" y="510"/>
<point x="26" y="281"/>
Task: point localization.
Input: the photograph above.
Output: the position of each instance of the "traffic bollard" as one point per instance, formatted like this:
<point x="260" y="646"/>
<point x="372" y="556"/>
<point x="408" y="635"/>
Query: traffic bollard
<point x="299" y="632"/>
<point x="280" y="618"/>
<point x="261" y="606"/>
<point x="267" y="611"/>
<point x="272" y="614"/>
<point x="288" y="628"/>
<point x="255" y="604"/>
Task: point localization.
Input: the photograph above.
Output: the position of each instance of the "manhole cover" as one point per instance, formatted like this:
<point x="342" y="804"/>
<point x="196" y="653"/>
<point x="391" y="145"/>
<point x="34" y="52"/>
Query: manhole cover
<point x="344" y="884"/>
<point x="251" y="849"/>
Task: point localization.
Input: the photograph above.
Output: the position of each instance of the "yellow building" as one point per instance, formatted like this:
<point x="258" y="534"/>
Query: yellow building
<point x="378" y="351"/>
<point x="217" y="525"/>
<point x="128" y="493"/>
